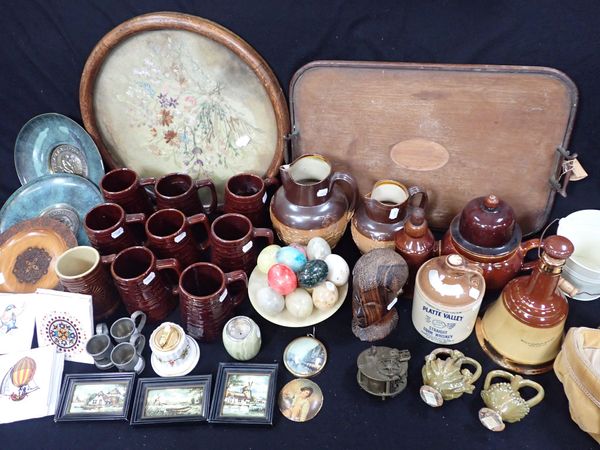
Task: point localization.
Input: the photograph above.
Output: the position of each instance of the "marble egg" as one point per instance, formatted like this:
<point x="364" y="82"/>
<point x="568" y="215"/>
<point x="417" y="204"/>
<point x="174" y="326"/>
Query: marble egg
<point x="299" y="304"/>
<point x="267" y="258"/>
<point x="317" y="248"/>
<point x="299" y="247"/>
<point x="338" y="271"/>
<point x="325" y="295"/>
<point x="313" y="273"/>
<point x="291" y="257"/>
<point x="282" y="279"/>
<point x="269" y="301"/>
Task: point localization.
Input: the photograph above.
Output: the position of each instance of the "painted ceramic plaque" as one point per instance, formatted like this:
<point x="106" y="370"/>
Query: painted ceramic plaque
<point x="182" y="94"/>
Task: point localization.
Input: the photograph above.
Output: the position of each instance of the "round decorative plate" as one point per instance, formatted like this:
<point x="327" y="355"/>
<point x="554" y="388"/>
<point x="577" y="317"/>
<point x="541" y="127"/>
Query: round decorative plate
<point x="169" y="92"/>
<point x="300" y="400"/>
<point x="258" y="280"/>
<point x="164" y="370"/>
<point x="64" y="197"/>
<point x="29" y="251"/>
<point x="53" y="143"/>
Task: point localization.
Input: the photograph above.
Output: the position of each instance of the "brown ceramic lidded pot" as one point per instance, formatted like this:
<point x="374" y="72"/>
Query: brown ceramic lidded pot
<point x="522" y="330"/>
<point x="486" y="233"/>
<point x="83" y="271"/>
<point x="382" y="213"/>
<point x="246" y="194"/>
<point x="124" y="187"/>
<point x="138" y="277"/>
<point x="233" y="242"/>
<point x="179" y="191"/>
<point x="312" y="201"/>
<point x="109" y="228"/>
<point x="208" y="298"/>
<point x="171" y="235"/>
<point x="416" y="244"/>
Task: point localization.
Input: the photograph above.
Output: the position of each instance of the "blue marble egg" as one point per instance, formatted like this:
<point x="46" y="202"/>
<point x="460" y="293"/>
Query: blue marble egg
<point x="291" y="257"/>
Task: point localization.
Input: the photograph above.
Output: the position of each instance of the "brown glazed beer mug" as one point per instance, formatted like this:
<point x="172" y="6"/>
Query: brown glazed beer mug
<point x="124" y="187"/>
<point x="138" y="277"/>
<point x="382" y="212"/>
<point x="208" y="297"/>
<point x="233" y="242"/>
<point x="109" y="228"/>
<point x="179" y="191"/>
<point x="83" y="271"/>
<point x="170" y="235"/>
<point x="246" y="194"/>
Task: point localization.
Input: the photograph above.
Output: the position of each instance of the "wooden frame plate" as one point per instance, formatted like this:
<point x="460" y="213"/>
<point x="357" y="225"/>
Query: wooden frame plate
<point x="169" y="92"/>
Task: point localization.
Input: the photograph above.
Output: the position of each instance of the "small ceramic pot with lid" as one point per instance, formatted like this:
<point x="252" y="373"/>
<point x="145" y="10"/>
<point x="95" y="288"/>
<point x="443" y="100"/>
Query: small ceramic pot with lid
<point x="173" y="352"/>
<point x="486" y="233"/>
<point x="448" y="294"/>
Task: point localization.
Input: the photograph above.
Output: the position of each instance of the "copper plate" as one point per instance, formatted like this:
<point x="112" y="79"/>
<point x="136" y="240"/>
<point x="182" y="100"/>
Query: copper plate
<point x="29" y="251"/>
<point x="169" y="92"/>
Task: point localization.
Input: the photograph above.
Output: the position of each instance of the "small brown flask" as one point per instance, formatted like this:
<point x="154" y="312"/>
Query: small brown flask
<point x="416" y="244"/>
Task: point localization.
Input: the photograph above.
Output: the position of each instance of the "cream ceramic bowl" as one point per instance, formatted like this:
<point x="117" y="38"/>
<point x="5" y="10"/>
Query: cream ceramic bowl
<point x="582" y="269"/>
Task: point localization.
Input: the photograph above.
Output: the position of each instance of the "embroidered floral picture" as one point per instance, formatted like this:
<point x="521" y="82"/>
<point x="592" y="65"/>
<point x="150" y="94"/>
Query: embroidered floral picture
<point x="172" y="100"/>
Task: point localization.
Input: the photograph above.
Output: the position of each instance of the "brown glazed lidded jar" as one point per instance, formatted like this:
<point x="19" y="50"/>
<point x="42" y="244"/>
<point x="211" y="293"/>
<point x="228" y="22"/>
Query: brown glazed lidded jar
<point x="522" y="330"/>
<point x="487" y="233"/>
<point x="312" y="201"/>
<point x="382" y="213"/>
<point x="416" y="244"/>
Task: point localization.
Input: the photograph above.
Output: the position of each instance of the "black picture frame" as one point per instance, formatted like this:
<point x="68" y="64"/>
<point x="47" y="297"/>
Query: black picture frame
<point x="71" y="382"/>
<point x="243" y="398"/>
<point x="146" y="385"/>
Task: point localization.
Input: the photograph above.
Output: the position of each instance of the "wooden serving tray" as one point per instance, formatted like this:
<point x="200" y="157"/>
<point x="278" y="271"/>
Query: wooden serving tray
<point x="460" y="131"/>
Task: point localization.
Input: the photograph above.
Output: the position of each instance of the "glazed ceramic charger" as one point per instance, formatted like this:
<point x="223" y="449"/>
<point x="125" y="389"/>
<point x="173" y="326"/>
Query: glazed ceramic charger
<point x="53" y="143"/>
<point x="258" y="279"/>
<point x="29" y="251"/>
<point x="63" y="197"/>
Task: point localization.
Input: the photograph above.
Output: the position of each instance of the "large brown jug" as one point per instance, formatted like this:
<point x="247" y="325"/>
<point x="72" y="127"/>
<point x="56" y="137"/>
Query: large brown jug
<point x="312" y="202"/>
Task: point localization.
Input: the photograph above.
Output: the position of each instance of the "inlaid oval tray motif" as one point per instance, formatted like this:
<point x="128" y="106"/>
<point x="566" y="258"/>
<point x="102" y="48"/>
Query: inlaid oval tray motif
<point x="28" y="251"/>
<point x="169" y="92"/>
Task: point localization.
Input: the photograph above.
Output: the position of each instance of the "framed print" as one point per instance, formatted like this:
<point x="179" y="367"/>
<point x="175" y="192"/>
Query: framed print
<point x="92" y="396"/>
<point x="179" y="399"/>
<point x="245" y="393"/>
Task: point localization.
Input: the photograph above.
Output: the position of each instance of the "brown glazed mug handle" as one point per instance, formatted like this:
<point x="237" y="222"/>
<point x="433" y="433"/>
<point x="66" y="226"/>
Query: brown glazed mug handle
<point x="199" y="184"/>
<point x="170" y="264"/>
<point x="526" y="247"/>
<point x="350" y="181"/>
<point x="107" y="259"/>
<point x="237" y="276"/>
<point x="413" y="191"/>
<point x="149" y="181"/>
<point x="200" y="219"/>
<point x="135" y="218"/>
<point x="263" y="233"/>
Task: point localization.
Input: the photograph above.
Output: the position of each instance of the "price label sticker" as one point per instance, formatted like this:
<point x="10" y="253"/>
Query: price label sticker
<point x="391" y="305"/>
<point x="180" y="237"/>
<point x="223" y="296"/>
<point x="246" y="248"/>
<point x="429" y="398"/>
<point x="322" y="192"/>
<point x="265" y="198"/>
<point x="118" y="232"/>
<point x="474" y="293"/>
<point x="2" y="279"/>
<point x="394" y="213"/>
<point x="151" y="276"/>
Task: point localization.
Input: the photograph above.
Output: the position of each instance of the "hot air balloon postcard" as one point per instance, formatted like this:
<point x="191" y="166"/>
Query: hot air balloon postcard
<point x="17" y="320"/>
<point x="30" y="383"/>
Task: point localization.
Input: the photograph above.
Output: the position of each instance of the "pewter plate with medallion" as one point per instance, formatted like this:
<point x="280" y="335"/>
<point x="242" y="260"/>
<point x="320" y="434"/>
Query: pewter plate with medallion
<point x="53" y="143"/>
<point x="64" y="197"/>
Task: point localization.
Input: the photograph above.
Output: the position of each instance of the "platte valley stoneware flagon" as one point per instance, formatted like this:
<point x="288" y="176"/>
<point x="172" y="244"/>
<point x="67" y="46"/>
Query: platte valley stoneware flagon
<point x="523" y="329"/>
<point x="382" y="212"/>
<point x="312" y="201"/>
<point x="486" y="233"/>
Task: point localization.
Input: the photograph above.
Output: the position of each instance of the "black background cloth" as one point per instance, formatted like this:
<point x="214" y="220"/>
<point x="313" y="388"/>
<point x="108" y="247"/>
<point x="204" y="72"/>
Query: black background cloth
<point x="43" y="47"/>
